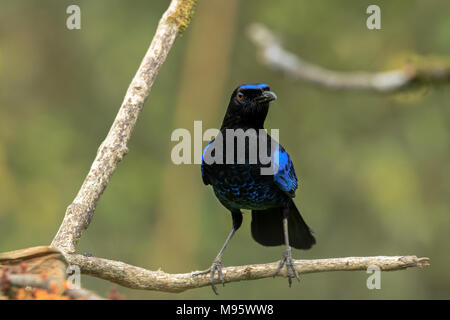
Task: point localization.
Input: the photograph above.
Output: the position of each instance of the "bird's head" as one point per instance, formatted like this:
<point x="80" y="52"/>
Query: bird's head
<point x="249" y="105"/>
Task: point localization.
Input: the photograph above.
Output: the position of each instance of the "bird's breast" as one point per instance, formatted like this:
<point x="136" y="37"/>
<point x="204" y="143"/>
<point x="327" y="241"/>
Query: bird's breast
<point x="243" y="187"/>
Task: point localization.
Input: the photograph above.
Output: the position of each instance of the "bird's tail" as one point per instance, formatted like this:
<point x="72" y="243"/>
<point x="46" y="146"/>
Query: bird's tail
<point x="267" y="228"/>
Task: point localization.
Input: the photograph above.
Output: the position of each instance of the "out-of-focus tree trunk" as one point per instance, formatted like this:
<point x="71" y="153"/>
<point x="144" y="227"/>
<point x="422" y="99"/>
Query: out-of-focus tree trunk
<point x="208" y="59"/>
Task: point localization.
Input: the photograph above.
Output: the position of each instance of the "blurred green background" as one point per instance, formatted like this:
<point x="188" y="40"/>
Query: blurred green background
<point x="374" y="168"/>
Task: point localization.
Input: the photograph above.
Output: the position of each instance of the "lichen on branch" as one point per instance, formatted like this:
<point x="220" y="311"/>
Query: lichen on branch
<point x="183" y="14"/>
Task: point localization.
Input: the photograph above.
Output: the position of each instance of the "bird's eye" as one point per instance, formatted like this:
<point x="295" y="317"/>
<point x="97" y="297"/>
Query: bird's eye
<point x="240" y="96"/>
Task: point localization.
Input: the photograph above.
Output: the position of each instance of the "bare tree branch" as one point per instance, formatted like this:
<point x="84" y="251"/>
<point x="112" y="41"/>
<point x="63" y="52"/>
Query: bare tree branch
<point x="114" y="147"/>
<point x="139" y="278"/>
<point x="276" y="57"/>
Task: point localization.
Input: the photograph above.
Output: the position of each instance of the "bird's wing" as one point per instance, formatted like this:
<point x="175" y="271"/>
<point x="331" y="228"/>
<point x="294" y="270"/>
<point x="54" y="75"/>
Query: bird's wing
<point x="204" y="177"/>
<point x="285" y="178"/>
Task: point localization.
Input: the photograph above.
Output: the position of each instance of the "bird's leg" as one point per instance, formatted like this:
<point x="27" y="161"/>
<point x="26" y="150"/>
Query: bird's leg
<point x="287" y="255"/>
<point x="217" y="263"/>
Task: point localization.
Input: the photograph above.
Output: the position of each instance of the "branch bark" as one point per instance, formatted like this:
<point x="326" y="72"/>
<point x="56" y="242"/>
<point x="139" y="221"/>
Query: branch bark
<point x="277" y="58"/>
<point x="79" y="213"/>
<point x="140" y="278"/>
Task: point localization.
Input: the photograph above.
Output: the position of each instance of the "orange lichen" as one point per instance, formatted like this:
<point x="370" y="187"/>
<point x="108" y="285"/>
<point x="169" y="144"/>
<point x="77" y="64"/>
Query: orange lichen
<point x="4" y="281"/>
<point x="53" y="292"/>
<point x="40" y="294"/>
<point x="115" y="295"/>
<point x="23" y="267"/>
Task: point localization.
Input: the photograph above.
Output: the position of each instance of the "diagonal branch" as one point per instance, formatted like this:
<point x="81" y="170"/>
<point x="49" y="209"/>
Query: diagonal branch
<point x="140" y="278"/>
<point x="114" y="147"/>
<point x="277" y="58"/>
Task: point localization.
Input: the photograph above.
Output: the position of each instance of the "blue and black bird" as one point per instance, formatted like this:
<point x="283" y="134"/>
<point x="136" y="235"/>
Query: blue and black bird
<point x="238" y="182"/>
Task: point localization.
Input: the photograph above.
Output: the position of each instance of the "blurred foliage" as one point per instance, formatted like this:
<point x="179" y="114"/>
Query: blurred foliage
<point x="374" y="169"/>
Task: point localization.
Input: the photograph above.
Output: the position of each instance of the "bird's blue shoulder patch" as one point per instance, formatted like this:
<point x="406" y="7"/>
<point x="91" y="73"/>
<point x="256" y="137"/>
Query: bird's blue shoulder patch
<point x="205" y="180"/>
<point x="285" y="178"/>
<point x="254" y="86"/>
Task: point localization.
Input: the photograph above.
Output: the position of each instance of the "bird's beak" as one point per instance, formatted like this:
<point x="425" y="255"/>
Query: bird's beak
<point x="266" y="96"/>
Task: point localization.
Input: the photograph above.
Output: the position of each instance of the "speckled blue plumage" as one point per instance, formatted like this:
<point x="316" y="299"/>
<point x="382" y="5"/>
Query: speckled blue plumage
<point x="241" y="186"/>
<point x="244" y="186"/>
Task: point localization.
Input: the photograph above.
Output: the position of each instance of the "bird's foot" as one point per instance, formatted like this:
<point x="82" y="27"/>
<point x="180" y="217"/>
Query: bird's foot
<point x="216" y="266"/>
<point x="290" y="268"/>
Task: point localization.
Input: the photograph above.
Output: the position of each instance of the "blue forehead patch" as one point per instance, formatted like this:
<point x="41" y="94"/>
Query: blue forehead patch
<point x="254" y="86"/>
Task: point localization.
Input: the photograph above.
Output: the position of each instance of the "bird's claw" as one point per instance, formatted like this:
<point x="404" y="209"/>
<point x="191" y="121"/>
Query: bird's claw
<point x="290" y="268"/>
<point x="216" y="265"/>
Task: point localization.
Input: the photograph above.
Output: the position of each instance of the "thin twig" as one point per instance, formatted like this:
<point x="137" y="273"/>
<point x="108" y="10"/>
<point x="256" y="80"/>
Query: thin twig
<point x="276" y="57"/>
<point x="33" y="281"/>
<point x="140" y="278"/>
